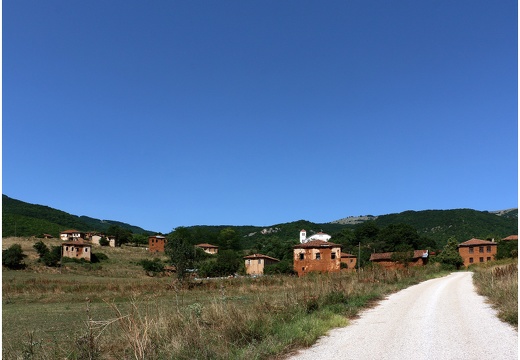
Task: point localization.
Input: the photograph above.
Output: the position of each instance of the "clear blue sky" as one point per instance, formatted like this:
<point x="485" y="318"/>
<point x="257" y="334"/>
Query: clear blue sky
<point x="176" y="113"/>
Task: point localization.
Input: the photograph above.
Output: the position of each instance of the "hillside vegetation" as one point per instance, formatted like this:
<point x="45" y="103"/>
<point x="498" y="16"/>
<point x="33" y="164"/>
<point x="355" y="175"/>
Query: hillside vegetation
<point x="23" y="219"/>
<point x="433" y="226"/>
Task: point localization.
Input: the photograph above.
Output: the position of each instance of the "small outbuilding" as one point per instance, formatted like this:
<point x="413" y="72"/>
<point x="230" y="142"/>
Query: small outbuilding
<point x="208" y="248"/>
<point x="397" y="260"/>
<point x="256" y="263"/>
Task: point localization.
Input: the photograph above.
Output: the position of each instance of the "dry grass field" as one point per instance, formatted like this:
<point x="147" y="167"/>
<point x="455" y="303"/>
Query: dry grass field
<point x="113" y="310"/>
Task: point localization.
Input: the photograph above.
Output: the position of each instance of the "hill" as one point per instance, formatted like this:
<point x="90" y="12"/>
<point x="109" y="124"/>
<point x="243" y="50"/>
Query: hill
<point x="24" y="219"/>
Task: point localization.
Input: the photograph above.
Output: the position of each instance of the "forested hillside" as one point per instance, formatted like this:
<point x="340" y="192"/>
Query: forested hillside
<point x="23" y="219"/>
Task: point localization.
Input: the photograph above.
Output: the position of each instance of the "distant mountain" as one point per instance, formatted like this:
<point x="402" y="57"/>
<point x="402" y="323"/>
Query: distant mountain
<point x="24" y="219"/>
<point x="462" y="224"/>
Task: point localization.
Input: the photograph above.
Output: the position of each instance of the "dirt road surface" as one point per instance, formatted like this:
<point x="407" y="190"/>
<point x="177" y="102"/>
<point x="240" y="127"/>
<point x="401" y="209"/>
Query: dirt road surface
<point x="438" y="319"/>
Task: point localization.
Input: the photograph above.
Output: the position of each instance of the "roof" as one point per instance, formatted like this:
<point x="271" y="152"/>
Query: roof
<point x="260" y="256"/>
<point x="347" y="255"/>
<point x="157" y="236"/>
<point x="316" y="244"/>
<point x="79" y="242"/>
<point x="388" y="255"/>
<point x="71" y="232"/>
<point x="511" y="237"/>
<point x="473" y="242"/>
<point x="207" y="246"/>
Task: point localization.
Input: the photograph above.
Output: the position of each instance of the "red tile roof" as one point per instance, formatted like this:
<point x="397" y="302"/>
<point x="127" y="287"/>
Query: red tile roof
<point x="316" y="244"/>
<point x="511" y="237"/>
<point x="347" y="255"/>
<point x="206" y="246"/>
<point x="71" y="232"/>
<point x="260" y="256"/>
<point x="473" y="242"/>
<point x="388" y="255"/>
<point x="79" y="242"/>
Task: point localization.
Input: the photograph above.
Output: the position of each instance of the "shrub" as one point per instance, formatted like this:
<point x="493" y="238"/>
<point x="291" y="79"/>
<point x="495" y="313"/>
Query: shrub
<point x="104" y="242"/>
<point x="13" y="257"/>
<point x="152" y="267"/>
<point x="52" y="257"/>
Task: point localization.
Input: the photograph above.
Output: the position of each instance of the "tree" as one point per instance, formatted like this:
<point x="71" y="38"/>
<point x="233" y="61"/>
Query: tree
<point x="450" y="254"/>
<point x="507" y="249"/>
<point x="229" y="239"/>
<point x="180" y="250"/>
<point x="13" y="257"/>
<point x="123" y="236"/>
<point x="41" y="249"/>
<point x="152" y="267"/>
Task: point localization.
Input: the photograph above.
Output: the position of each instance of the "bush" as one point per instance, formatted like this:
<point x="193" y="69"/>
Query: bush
<point x="152" y="267"/>
<point x="13" y="257"/>
<point x="52" y="257"/>
<point x="104" y="242"/>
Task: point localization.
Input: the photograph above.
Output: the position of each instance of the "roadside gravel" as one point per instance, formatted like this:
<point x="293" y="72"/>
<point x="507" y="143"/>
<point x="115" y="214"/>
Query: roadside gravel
<point x="438" y="319"/>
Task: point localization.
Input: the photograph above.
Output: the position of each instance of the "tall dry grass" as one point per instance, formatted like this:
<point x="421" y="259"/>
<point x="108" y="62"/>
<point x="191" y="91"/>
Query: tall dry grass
<point x="499" y="283"/>
<point x="240" y="318"/>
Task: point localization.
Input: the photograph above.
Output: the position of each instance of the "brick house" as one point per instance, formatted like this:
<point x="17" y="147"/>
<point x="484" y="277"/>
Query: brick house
<point x="349" y="260"/>
<point x="317" y="255"/>
<point x="208" y="248"/>
<point x="477" y="251"/>
<point x="387" y="259"/>
<point x="77" y="249"/>
<point x="68" y="235"/>
<point x="156" y="243"/>
<point x="256" y="263"/>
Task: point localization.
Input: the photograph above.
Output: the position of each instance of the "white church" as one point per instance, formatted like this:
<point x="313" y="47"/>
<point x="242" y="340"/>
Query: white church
<point x="318" y="236"/>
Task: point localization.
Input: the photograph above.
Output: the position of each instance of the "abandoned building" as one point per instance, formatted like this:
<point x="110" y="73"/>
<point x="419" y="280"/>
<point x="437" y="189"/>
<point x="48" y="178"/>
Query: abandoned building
<point x="396" y="260"/>
<point x="256" y="263"/>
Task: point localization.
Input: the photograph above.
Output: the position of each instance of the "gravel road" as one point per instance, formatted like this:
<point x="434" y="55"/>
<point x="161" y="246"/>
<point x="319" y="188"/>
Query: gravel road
<point x="438" y="319"/>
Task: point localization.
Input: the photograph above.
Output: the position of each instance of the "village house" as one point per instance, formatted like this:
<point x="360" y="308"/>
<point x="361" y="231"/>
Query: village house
<point x="208" y="248"/>
<point x="477" y="251"/>
<point x="68" y="235"/>
<point x="76" y="249"/>
<point x="156" y="243"/>
<point x="349" y="260"/>
<point x="390" y="260"/>
<point x="256" y="263"/>
<point x="318" y="256"/>
<point x="47" y="236"/>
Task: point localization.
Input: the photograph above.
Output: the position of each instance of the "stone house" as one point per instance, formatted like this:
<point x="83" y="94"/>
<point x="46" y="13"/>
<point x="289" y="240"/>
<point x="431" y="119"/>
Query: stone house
<point x="317" y="256"/>
<point x="477" y="251"/>
<point x="156" y="243"/>
<point x="77" y="249"/>
<point x="256" y="263"/>
<point x="388" y="259"/>
<point x="208" y="248"/>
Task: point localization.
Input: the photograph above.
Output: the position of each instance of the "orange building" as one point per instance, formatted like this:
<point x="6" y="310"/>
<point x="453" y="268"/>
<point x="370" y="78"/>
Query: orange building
<point x="349" y="260"/>
<point x="256" y="263"/>
<point x="317" y="255"/>
<point x="156" y="243"/>
<point x="477" y="251"/>
<point x="387" y="259"/>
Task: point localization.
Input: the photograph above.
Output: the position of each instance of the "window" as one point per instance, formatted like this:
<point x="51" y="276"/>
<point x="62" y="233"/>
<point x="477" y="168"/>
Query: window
<point x="86" y="249"/>
<point x="66" y="248"/>
<point x="332" y="255"/>
<point x="488" y="258"/>
<point x="481" y="249"/>
<point x="471" y="249"/>
<point x="489" y="248"/>
<point x="471" y="260"/>
<point x="301" y="256"/>
<point x="318" y="256"/>
<point x="481" y="259"/>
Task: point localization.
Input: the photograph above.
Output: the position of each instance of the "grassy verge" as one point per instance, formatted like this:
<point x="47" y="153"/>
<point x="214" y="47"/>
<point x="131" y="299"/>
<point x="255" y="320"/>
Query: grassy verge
<point x="114" y="311"/>
<point x="499" y="283"/>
